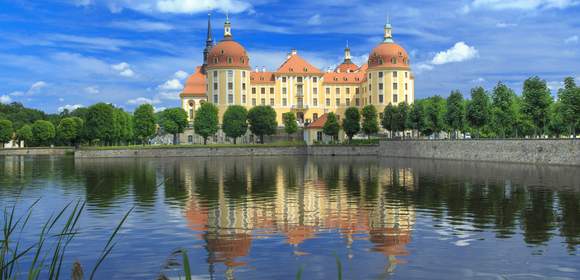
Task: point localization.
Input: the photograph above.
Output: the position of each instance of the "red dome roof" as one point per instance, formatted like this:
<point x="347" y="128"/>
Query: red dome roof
<point x="388" y="55"/>
<point x="195" y="84"/>
<point x="346" y="67"/>
<point x="228" y="54"/>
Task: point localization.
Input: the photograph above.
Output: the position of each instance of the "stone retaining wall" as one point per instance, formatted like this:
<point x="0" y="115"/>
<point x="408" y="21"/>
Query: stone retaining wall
<point x="537" y="151"/>
<point x="36" y="152"/>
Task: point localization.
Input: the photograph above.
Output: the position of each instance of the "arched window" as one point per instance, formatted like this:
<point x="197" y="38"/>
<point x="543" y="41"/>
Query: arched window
<point x="394" y="60"/>
<point x="215" y="60"/>
<point x="229" y="60"/>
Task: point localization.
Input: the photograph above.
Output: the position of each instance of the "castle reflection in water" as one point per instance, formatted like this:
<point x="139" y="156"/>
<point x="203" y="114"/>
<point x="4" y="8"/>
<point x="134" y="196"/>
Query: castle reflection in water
<point x="232" y="204"/>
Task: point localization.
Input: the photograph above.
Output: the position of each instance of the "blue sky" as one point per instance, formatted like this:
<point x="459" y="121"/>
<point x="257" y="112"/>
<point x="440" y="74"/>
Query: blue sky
<point x="58" y="54"/>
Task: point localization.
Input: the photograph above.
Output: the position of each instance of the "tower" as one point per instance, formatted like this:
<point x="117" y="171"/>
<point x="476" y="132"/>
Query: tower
<point x="208" y="44"/>
<point x="347" y="57"/>
<point x="227" y="28"/>
<point x="388" y="32"/>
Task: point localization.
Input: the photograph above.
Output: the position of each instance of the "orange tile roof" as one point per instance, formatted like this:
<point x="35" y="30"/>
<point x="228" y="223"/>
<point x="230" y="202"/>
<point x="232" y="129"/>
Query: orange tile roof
<point x="346" y="67"/>
<point x="262" y="77"/>
<point x="343" y="78"/>
<point x="195" y="84"/>
<point x="297" y="65"/>
<point x="319" y="123"/>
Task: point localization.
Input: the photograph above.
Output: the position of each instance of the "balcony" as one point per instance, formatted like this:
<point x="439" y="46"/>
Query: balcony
<point x="299" y="106"/>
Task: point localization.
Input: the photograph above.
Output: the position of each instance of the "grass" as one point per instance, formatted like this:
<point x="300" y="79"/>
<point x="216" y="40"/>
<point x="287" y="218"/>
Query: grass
<point x="48" y="252"/>
<point x="141" y="147"/>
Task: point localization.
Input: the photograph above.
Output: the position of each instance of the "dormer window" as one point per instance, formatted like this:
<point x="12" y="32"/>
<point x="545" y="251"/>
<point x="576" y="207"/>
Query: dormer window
<point x="394" y="60"/>
<point x="222" y="51"/>
<point x="345" y="78"/>
<point x="291" y="69"/>
<point x="215" y="60"/>
<point x="242" y="60"/>
<point x="230" y="60"/>
<point x="305" y="69"/>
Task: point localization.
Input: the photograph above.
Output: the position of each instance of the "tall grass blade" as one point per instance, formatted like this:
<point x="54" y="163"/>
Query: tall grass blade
<point x="339" y="267"/>
<point x="186" y="267"/>
<point x="299" y="274"/>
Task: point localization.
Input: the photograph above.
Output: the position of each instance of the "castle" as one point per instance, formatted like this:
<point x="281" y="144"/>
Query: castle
<point x="226" y="78"/>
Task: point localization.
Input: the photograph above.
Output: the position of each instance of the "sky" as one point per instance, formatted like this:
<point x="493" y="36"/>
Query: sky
<point x="57" y="54"/>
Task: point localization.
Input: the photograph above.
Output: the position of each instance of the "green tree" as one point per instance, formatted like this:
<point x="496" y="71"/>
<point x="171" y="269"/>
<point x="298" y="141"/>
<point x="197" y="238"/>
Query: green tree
<point x="351" y="122"/>
<point x="370" y="124"/>
<point x="174" y="121"/>
<point x="478" y="109"/>
<point x="144" y="122"/>
<point x="24" y="134"/>
<point x="262" y="121"/>
<point x="235" y="122"/>
<point x="100" y="123"/>
<point x="434" y="115"/>
<point x="401" y="118"/>
<point x="290" y="125"/>
<point x="388" y="121"/>
<point x="536" y="99"/>
<point x="455" y="114"/>
<point x="123" y="126"/>
<point x="556" y="125"/>
<point x="43" y="132"/>
<point x="69" y="130"/>
<point x="331" y="126"/>
<point x="416" y="116"/>
<point x="570" y="105"/>
<point x="6" y="131"/>
<point x="503" y="110"/>
<point x="206" y="121"/>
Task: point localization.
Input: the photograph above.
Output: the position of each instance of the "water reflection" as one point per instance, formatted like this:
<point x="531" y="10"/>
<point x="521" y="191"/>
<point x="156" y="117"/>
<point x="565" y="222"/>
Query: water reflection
<point x="362" y="208"/>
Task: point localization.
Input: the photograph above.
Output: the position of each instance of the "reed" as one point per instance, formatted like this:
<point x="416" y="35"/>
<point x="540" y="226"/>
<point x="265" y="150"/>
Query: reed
<point x="47" y="254"/>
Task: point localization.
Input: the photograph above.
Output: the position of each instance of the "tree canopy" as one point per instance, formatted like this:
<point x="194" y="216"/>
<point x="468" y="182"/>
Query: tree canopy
<point x="478" y="109"/>
<point x="536" y="99"/>
<point x="144" y="122"/>
<point x="290" y="125"/>
<point x="331" y="126"/>
<point x="206" y="121"/>
<point x="370" y="124"/>
<point x="43" y="132"/>
<point x="173" y="121"/>
<point x="6" y="131"/>
<point x="235" y="122"/>
<point x="455" y="113"/>
<point x="351" y="122"/>
<point x="262" y="120"/>
<point x="70" y="129"/>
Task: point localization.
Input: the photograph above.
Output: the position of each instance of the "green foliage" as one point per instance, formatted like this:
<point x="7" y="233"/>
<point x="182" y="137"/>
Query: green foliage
<point x="455" y="114"/>
<point x="235" y="122"/>
<point x="24" y="134"/>
<point x="478" y="109"/>
<point x="19" y="115"/>
<point x="173" y="121"/>
<point x="503" y="110"/>
<point x="417" y="116"/>
<point x="351" y="122"/>
<point x="570" y="105"/>
<point x="262" y="121"/>
<point x="6" y="131"/>
<point x="123" y="126"/>
<point x="206" y="121"/>
<point x="388" y="121"/>
<point x="536" y="102"/>
<point x="69" y="129"/>
<point x="43" y="132"/>
<point x="434" y="115"/>
<point x="144" y="122"/>
<point x="290" y="125"/>
<point x="100" y="123"/>
<point x="331" y="126"/>
<point x="370" y="124"/>
<point x="401" y="117"/>
<point x="556" y="125"/>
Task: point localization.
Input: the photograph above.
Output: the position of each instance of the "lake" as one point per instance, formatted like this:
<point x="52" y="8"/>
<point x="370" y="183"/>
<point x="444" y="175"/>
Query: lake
<point x="270" y="217"/>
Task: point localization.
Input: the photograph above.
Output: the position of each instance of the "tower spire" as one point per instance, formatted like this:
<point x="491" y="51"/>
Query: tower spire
<point x="388" y="31"/>
<point x="208" y="44"/>
<point x="347" y="57"/>
<point x="227" y="27"/>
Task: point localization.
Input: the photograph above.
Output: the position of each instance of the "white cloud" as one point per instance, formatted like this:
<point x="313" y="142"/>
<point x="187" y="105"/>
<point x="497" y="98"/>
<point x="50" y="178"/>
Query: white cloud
<point x="181" y="75"/>
<point x="423" y="67"/>
<point x="196" y="6"/>
<point x="168" y="95"/>
<point x="479" y="80"/>
<point x="459" y="52"/>
<point x="159" y="109"/>
<point x="173" y="84"/>
<point x="142" y="25"/>
<point x="554" y="86"/>
<point x="314" y="20"/>
<point x="505" y="25"/>
<point x="124" y="69"/>
<point x="69" y="107"/>
<point x="92" y="90"/>
<point x="95" y="43"/>
<point x="61" y="99"/>
<point x="522" y="4"/>
<point x="142" y="100"/>
<point x="5" y="99"/>
<point x="572" y="39"/>
<point x="37" y="86"/>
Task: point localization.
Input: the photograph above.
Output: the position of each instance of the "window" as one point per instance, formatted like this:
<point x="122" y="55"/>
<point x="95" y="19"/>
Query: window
<point x="337" y="90"/>
<point x="406" y="74"/>
<point x="253" y="90"/>
<point x="271" y="90"/>
<point x="244" y="86"/>
<point x="380" y="75"/>
<point x="370" y="75"/>
<point x="357" y="102"/>
<point x="338" y="102"/>
<point x="299" y="90"/>
<point x="215" y="74"/>
<point x="381" y="99"/>
<point x="230" y="74"/>
<point x="190" y="139"/>
<point x="190" y="114"/>
<point x="299" y="79"/>
<point x="315" y="79"/>
<point x="347" y="90"/>
<point x="319" y="136"/>
<point x="356" y="91"/>
<point x="380" y="86"/>
<point x="395" y="86"/>
<point x="406" y="86"/>
<point x="328" y="102"/>
<point x="271" y="101"/>
<point x="253" y="101"/>
<point x="327" y="90"/>
<point x="406" y="99"/>
<point x="230" y="86"/>
<point x="348" y="102"/>
<point x="370" y="87"/>
<point x="263" y="101"/>
<point x="230" y="60"/>
<point x="215" y="86"/>
<point x="230" y="98"/>
<point x="215" y="60"/>
<point x="215" y="99"/>
<point x="283" y="79"/>
<point x="284" y="90"/>
<point x="243" y="72"/>
<point x="284" y="102"/>
<point x="315" y="116"/>
<point x="395" y="98"/>
<point x="244" y="99"/>
<point x="394" y="60"/>
<point x="263" y="90"/>
<point x="315" y="91"/>
<point x="315" y="102"/>
<point x="395" y="74"/>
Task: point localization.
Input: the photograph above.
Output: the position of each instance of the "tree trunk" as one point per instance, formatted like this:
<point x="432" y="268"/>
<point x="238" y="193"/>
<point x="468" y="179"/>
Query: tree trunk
<point x="262" y="139"/>
<point x="235" y="140"/>
<point x="205" y="140"/>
